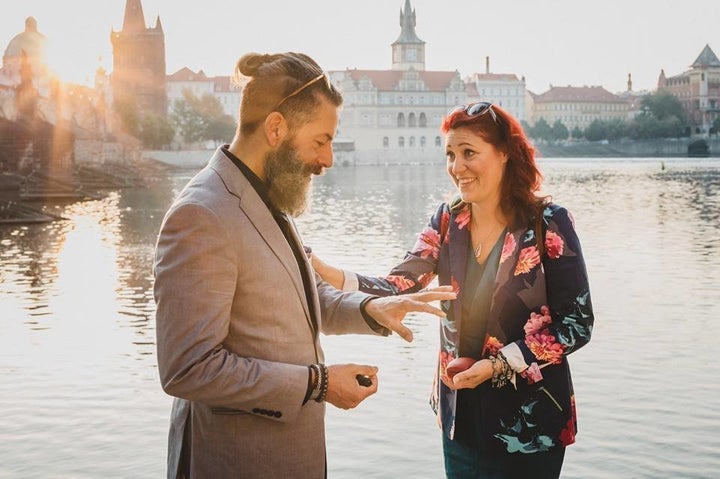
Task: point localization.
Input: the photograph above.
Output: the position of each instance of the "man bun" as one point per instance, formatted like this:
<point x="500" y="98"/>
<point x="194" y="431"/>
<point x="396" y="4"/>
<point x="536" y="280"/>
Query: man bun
<point x="254" y="64"/>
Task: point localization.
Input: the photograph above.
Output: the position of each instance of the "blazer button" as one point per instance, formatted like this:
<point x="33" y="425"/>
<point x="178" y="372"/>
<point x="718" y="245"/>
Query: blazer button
<point x="278" y="414"/>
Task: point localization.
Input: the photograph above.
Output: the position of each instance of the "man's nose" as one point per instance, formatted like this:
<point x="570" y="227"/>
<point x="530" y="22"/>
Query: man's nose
<point x="326" y="157"/>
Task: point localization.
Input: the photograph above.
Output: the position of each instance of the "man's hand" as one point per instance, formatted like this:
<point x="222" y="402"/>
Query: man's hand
<point x="389" y="311"/>
<point x="344" y="391"/>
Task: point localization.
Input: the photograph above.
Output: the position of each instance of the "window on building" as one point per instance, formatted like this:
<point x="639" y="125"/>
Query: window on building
<point x="412" y="142"/>
<point x="438" y="141"/>
<point x="401" y="141"/>
<point x="423" y="120"/>
<point x="401" y="120"/>
<point x="386" y="142"/>
<point x="411" y="120"/>
<point x="422" y="142"/>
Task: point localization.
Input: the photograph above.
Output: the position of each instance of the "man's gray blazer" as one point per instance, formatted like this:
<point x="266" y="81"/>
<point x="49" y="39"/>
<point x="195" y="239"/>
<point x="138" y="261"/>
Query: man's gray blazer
<point x="235" y="334"/>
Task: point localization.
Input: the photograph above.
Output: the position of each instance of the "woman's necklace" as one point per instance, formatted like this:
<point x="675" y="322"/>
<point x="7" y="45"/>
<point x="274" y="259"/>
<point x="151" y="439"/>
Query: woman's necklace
<point x="479" y="249"/>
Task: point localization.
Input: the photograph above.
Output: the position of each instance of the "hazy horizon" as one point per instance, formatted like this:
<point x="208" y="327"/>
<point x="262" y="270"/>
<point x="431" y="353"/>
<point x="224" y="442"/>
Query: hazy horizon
<point x="560" y="42"/>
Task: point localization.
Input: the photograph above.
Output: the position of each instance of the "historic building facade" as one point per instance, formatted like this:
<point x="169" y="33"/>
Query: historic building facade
<point x="503" y="89"/>
<point x="394" y="116"/>
<point x="138" y="74"/>
<point x="578" y="106"/>
<point x="698" y="89"/>
<point x="199" y="84"/>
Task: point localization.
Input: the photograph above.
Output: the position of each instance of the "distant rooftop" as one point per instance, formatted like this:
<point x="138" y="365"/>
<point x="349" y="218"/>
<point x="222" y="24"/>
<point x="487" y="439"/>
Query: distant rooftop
<point x="595" y="94"/>
<point x="707" y="58"/>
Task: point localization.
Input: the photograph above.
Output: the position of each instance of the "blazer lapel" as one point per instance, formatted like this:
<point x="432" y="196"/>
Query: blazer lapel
<point x="264" y="222"/>
<point x="460" y="237"/>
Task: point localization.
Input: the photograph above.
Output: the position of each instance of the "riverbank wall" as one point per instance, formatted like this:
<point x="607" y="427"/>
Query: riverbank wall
<point x="666" y="148"/>
<point x="674" y="147"/>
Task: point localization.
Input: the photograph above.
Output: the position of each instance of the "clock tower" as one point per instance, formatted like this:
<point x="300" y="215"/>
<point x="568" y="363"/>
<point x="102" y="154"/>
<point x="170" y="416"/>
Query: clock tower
<point x="408" y="50"/>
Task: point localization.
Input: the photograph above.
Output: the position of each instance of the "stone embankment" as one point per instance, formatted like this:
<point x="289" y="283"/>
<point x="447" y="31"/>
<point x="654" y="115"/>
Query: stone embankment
<point x="626" y="149"/>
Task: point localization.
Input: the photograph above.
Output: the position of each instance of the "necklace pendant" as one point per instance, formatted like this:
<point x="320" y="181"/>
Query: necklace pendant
<point x="478" y="250"/>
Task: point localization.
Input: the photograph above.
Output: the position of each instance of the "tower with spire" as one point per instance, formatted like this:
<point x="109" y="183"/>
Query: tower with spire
<point x="408" y="51"/>
<point x="138" y="75"/>
<point x="698" y="89"/>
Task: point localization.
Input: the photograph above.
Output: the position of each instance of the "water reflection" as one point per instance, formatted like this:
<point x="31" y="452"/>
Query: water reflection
<point x="80" y="393"/>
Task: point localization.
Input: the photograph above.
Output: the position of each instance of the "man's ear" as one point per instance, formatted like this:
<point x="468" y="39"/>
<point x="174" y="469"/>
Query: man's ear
<point x="276" y="128"/>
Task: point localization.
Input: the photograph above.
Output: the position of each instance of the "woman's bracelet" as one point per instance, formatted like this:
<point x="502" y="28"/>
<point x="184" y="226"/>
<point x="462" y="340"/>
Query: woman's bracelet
<point x="502" y="377"/>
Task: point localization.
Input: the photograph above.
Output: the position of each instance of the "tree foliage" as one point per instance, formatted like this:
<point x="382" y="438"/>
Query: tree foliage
<point x="559" y="131"/>
<point x="202" y="118"/>
<point x="662" y="105"/>
<point x="156" y="131"/>
<point x="542" y="130"/>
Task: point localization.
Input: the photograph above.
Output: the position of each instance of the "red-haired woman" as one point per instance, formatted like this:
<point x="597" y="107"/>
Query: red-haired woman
<point x="523" y="303"/>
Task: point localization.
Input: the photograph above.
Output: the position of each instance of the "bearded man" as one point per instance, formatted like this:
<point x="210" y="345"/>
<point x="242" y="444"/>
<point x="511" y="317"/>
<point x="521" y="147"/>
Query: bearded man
<point x="239" y="307"/>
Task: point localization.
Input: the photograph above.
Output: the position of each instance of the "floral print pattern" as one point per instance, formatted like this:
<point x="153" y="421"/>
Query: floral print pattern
<point x="541" y="312"/>
<point x="545" y="347"/>
<point x="509" y="246"/>
<point x="428" y="243"/>
<point x="492" y="346"/>
<point x="532" y="374"/>
<point x="529" y="258"/>
<point x="538" y="321"/>
<point x="554" y="245"/>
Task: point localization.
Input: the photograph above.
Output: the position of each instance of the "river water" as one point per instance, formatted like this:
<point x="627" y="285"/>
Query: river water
<point x="80" y="397"/>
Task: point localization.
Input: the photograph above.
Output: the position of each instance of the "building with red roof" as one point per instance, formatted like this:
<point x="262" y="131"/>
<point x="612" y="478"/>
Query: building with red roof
<point x="698" y="89"/>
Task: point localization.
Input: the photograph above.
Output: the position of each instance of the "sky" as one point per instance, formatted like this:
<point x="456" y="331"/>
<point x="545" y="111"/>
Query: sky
<point x="549" y="42"/>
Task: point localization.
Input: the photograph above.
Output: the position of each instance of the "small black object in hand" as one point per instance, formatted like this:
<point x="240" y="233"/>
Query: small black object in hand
<point x="363" y="380"/>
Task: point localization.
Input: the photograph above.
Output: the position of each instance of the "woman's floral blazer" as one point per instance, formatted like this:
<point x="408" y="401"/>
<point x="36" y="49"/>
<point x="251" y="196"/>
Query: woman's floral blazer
<point x="540" y="313"/>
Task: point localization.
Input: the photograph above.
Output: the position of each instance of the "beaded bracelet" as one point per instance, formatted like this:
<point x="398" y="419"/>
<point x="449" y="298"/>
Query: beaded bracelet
<point x="323" y="383"/>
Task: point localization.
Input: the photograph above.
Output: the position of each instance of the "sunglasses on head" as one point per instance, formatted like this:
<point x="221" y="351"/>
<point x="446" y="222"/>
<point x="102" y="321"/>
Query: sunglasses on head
<point x="476" y="109"/>
<point x="304" y="86"/>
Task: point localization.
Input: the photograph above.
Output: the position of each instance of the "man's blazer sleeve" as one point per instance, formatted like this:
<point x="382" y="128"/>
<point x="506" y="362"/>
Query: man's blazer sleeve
<point x="195" y="281"/>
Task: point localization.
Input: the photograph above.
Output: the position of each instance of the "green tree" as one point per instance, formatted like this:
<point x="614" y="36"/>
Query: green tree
<point x="187" y="118"/>
<point x="597" y="130"/>
<point x="156" y="131"/>
<point x="202" y="118"/>
<point x="577" y="133"/>
<point x="643" y="126"/>
<point x="526" y="126"/>
<point x="559" y="131"/>
<point x="661" y="105"/>
<point x="616" y="129"/>
<point x="542" y="130"/>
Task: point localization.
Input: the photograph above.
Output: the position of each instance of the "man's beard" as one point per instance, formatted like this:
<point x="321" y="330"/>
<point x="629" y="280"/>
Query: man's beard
<point x="289" y="179"/>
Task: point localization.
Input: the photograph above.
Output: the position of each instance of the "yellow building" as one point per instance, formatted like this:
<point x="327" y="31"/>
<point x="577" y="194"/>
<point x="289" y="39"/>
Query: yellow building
<point x="578" y="106"/>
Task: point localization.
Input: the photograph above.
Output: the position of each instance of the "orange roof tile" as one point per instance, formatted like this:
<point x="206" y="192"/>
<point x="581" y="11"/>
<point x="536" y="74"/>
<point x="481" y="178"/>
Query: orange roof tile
<point x="186" y="74"/>
<point x="387" y="80"/>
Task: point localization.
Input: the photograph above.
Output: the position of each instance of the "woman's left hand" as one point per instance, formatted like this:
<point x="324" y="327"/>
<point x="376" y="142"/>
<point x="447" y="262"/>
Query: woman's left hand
<point x="472" y="377"/>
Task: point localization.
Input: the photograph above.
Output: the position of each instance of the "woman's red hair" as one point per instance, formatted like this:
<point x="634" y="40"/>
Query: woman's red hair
<point x="521" y="179"/>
